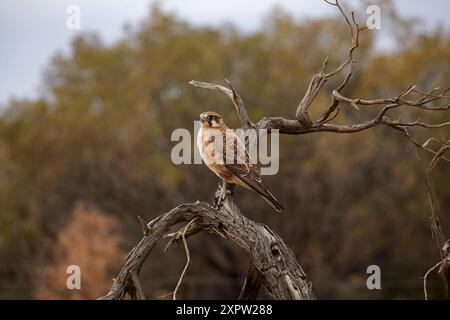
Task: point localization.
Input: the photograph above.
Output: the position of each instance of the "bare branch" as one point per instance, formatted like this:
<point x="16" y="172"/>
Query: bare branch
<point x="178" y="235"/>
<point x="232" y="94"/>
<point x="282" y="276"/>
<point x="317" y="81"/>
<point x="252" y="283"/>
<point x="137" y="285"/>
<point x="442" y="243"/>
<point x="438" y="235"/>
<point x="188" y="258"/>
<point x="303" y="124"/>
<point x="144" y="226"/>
<point x="416" y="143"/>
<point x="426" y="276"/>
<point x="420" y="103"/>
<point x="354" y="33"/>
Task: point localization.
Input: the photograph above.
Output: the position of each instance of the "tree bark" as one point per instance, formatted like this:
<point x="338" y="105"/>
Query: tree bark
<point x="252" y="283"/>
<point x="273" y="264"/>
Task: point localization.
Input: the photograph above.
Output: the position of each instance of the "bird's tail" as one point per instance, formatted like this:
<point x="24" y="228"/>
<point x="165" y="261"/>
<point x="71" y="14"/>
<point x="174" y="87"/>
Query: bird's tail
<point x="273" y="202"/>
<point x="269" y="197"/>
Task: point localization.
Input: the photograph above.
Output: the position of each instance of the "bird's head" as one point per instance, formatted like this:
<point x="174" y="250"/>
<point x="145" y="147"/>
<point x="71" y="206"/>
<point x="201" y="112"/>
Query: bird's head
<point x="211" y="119"/>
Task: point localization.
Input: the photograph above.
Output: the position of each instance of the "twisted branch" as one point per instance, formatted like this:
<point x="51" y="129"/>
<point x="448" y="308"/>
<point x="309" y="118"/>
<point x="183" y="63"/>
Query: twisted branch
<point x="302" y="123"/>
<point x="276" y="266"/>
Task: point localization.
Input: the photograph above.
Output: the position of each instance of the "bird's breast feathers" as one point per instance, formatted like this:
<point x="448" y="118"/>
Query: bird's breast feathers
<point x="226" y="155"/>
<point x="206" y="145"/>
<point x="218" y="147"/>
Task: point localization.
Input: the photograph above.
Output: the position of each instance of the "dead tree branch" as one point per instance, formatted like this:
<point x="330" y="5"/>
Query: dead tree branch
<point x="188" y="257"/>
<point x="277" y="268"/>
<point x="302" y="124"/>
<point x="442" y="243"/>
<point x="235" y="98"/>
<point x="252" y="283"/>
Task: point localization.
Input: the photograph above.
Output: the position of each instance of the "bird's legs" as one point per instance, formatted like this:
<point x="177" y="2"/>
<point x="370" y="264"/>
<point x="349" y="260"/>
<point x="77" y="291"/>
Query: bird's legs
<point x="221" y="194"/>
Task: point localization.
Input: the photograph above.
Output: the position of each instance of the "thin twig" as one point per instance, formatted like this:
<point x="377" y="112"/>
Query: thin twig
<point x="426" y="276"/>
<point x="164" y="295"/>
<point x="437" y="232"/>
<point x="137" y="285"/>
<point x="176" y="236"/>
<point x="188" y="258"/>
<point x="145" y="228"/>
<point x="233" y="95"/>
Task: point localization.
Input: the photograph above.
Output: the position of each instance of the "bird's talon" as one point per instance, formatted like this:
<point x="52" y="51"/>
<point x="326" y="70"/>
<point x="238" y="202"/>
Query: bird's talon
<point x="218" y="205"/>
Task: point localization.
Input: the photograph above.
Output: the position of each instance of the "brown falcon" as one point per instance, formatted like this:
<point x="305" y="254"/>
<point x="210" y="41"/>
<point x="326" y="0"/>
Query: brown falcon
<point x="226" y="155"/>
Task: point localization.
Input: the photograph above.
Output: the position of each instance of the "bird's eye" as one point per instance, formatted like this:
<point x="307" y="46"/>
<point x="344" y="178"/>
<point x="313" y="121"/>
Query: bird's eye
<point x="210" y="117"/>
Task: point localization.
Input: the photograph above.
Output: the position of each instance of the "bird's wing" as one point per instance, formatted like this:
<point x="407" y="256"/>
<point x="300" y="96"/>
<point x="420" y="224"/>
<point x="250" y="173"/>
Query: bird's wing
<point x="237" y="159"/>
<point x="238" y="162"/>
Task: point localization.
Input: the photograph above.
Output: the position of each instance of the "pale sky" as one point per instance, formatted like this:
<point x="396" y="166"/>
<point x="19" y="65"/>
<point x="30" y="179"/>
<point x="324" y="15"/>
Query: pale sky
<point x="31" y="31"/>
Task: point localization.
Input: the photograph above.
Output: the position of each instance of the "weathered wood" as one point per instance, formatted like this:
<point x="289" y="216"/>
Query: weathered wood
<point x="280" y="273"/>
<point x="252" y="283"/>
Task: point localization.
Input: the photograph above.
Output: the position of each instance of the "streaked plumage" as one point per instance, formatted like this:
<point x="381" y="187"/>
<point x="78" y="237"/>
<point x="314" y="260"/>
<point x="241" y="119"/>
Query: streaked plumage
<point x="225" y="154"/>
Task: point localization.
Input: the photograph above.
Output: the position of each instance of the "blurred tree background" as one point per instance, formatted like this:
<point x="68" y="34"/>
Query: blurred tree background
<point x="80" y="163"/>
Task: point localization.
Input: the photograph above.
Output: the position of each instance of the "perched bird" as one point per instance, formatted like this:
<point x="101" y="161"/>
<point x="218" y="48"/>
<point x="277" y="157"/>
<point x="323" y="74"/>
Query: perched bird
<point x="226" y="155"/>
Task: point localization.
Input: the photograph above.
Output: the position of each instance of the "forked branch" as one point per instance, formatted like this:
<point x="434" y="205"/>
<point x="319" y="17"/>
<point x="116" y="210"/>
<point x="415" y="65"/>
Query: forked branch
<point x="275" y="266"/>
<point x="411" y="97"/>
